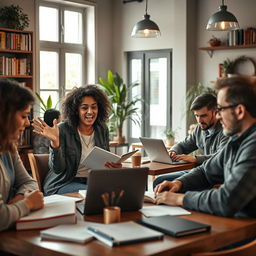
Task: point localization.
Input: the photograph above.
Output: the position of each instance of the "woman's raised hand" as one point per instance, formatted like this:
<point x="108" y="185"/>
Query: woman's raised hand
<point x="52" y="133"/>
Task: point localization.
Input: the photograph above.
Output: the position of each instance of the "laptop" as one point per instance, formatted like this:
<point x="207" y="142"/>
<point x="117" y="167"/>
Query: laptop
<point x="132" y="181"/>
<point x="157" y="151"/>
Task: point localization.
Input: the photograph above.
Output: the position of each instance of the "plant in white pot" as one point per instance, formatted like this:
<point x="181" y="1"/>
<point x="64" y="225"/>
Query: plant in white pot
<point x="170" y="137"/>
<point x="121" y="108"/>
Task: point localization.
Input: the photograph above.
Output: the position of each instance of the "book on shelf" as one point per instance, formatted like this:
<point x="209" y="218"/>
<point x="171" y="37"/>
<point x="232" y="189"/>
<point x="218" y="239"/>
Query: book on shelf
<point x="57" y="210"/>
<point x="97" y="158"/>
<point x="68" y="232"/>
<point x="123" y="233"/>
<point x="174" y="226"/>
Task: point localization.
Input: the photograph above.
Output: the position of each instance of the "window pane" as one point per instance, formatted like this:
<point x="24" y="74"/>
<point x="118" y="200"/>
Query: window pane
<point x="49" y="70"/>
<point x="136" y="92"/>
<point x="54" y="95"/>
<point x="73" y="27"/>
<point x="48" y="24"/>
<point x="73" y="70"/>
<point x="158" y="97"/>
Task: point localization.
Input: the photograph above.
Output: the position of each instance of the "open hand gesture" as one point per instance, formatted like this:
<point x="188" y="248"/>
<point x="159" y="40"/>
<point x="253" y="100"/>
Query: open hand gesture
<point x="52" y="133"/>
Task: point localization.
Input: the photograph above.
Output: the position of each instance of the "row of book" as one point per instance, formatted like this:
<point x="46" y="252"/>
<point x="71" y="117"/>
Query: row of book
<point x="15" y="41"/>
<point x="241" y="37"/>
<point x="12" y="66"/>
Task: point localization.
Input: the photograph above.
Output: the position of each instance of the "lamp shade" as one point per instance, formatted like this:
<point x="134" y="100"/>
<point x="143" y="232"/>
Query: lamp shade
<point x="146" y="28"/>
<point x="222" y="20"/>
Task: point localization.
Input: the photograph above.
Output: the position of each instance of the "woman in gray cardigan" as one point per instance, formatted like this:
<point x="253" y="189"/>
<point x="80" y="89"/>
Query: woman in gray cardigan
<point x="18" y="191"/>
<point x="85" y="110"/>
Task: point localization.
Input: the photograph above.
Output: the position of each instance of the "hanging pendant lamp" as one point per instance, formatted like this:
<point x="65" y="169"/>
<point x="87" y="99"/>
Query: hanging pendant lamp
<point x="146" y="28"/>
<point x="222" y="20"/>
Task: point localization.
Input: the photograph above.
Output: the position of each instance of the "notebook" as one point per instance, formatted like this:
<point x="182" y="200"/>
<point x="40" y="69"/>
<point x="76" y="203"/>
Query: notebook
<point x="157" y="151"/>
<point x="174" y="226"/>
<point x="97" y="158"/>
<point x="57" y="210"/>
<point x="123" y="233"/>
<point x="112" y="181"/>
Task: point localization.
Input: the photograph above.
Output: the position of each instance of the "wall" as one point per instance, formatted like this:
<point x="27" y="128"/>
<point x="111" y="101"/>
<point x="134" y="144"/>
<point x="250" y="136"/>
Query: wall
<point x="207" y="68"/>
<point x="171" y="17"/>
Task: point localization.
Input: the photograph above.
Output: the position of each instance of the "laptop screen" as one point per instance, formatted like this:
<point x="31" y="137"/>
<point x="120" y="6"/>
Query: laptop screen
<point x="132" y="181"/>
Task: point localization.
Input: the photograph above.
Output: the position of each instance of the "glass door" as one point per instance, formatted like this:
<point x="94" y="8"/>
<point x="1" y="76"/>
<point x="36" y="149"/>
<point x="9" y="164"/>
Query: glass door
<point x="152" y="71"/>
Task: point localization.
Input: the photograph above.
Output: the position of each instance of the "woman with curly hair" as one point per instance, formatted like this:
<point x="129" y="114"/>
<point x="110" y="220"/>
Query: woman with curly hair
<point x="19" y="193"/>
<point x="85" y="112"/>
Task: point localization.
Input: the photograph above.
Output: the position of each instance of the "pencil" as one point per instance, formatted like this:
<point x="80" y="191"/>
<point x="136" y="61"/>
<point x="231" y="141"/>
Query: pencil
<point x="119" y="196"/>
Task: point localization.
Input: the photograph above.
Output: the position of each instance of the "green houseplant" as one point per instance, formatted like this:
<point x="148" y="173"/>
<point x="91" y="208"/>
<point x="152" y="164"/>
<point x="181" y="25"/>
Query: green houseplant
<point x="121" y="108"/>
<point x="45" y="105"/>
<point x="170" y="136"/>
<point x="13" y="17"/>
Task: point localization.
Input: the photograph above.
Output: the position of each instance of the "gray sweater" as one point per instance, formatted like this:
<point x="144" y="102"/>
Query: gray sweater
<point x="207" y="144"/>
<point x="14" y="179"/>
<point x="235" y="168"/>
<point x="64" y="161"/>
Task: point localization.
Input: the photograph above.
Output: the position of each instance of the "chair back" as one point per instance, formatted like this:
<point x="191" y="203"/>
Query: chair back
<point x="39" y="167"/>
<point x="244" y="250"/>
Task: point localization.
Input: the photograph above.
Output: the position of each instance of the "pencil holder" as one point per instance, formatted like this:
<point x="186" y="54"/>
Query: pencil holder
<point x="112" y="214"/>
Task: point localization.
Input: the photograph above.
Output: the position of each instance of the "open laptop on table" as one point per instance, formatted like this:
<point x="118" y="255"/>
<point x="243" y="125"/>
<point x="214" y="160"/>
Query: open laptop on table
<point x="132" y="181"/>
<point x="157" y="151"/>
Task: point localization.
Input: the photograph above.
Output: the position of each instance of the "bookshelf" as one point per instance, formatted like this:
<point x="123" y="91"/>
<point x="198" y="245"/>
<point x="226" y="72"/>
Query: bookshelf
<point x="16" y="62"/>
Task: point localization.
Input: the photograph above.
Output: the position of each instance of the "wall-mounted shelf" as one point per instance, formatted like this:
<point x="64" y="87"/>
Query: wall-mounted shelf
<point x="210" y="50"/>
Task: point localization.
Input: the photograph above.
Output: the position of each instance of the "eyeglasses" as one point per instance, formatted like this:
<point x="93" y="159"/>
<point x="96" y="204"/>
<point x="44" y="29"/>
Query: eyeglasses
<point x="219" y="109"/>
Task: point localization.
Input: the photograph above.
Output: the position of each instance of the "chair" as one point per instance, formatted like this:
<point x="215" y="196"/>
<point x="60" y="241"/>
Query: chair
<point x="39" y="167"/>
<point x="244" y="250"/>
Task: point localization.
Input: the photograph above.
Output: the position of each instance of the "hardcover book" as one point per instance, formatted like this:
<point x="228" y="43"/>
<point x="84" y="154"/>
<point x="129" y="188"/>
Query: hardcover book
<point x="174" y="226"/>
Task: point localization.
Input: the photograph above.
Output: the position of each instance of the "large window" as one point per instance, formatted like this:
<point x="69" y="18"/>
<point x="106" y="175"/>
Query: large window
<point x="62" y="49"/>
<point x="152" y="70"/>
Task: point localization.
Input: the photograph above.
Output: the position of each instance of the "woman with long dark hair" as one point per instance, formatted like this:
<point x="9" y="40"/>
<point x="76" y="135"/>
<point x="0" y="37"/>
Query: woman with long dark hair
<point x="19" y="193"/>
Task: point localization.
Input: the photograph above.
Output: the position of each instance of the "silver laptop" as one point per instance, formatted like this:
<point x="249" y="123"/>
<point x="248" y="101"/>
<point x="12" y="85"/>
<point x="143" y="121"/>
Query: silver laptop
<point x="157" y="151"/>
<point x="132" y="181"/>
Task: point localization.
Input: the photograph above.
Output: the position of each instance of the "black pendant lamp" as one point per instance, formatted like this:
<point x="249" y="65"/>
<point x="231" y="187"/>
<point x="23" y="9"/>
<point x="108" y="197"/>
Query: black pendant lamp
<point x="146" y="28"/>
<point x="222" y="20"/>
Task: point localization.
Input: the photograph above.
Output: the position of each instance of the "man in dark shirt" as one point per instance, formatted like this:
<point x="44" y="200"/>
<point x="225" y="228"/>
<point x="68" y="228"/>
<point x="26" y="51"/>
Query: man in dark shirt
<point x="207" y="137"/>
<point x="234" y="166"/>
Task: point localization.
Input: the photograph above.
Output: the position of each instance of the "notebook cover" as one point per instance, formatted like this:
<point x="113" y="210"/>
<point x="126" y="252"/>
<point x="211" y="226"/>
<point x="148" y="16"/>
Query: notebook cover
<point x="174" y="226"/>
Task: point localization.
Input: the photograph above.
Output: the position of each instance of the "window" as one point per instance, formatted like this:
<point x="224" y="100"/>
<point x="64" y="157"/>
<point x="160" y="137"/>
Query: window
<point x="62" y="49"/>
<point x="152" y="70"/>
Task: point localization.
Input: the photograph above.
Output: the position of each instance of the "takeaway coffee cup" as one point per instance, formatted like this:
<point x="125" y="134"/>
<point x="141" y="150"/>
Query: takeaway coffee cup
<point x="136" y="159"/>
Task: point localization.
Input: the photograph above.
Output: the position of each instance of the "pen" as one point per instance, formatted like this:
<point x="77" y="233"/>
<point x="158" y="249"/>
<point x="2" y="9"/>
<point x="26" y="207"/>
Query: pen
<point x="119" y="196"/>
<point x="100" y="233"/>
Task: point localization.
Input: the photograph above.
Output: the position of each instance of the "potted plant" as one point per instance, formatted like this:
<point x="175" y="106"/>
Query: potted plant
<point x="121" y="108"/>
<point x="45" y="105"/>
<point x="170" y="136"/>
<point x="227" y="67"/>
<point x="13" y="17"/>
<point x="214" y="41"/>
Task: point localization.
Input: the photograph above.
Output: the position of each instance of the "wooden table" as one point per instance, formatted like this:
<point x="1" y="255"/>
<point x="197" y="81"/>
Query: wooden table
<point x="224" y="231"/>
<point x="156" y="168"/>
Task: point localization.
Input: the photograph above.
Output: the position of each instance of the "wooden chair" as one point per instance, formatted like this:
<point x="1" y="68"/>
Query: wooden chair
<point x="39" y="167"/>
<point x="244" y="250"/>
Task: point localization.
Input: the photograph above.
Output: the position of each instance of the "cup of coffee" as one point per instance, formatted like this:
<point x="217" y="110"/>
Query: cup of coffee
<point x="136" y="159"/>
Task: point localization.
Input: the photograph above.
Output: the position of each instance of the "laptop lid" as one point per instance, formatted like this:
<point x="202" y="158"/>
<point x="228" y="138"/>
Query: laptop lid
<point x="157" y="151"/>
<point x="131" y="180"/>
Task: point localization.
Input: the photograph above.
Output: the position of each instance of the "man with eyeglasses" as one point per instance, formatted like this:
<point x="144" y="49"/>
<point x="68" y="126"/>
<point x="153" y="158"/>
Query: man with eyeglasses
<point x="234" y="166"/>
<point x="207" y="137"/>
